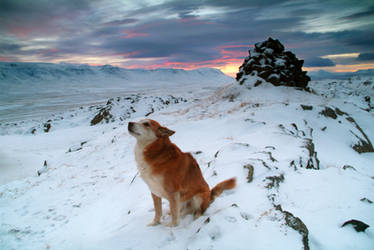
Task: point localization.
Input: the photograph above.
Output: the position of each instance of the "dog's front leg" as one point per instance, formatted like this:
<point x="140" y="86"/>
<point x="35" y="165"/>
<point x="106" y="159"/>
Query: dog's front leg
<point x="174" y="201"/>
<point x="158" y="210"/>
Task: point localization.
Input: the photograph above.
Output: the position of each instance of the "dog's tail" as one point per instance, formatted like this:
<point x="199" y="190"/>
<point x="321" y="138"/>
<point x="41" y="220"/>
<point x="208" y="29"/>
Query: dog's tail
<point x="220" y="187"/>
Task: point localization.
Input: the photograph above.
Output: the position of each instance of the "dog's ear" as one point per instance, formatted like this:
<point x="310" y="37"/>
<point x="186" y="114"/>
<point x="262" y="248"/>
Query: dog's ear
<point x="164" y="131"/>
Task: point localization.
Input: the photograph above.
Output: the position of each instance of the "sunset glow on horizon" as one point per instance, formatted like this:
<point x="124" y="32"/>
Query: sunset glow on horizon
<point x="334" y="36"/>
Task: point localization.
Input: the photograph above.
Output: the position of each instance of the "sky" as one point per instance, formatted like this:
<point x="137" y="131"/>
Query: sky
<point x="333" y="35"/>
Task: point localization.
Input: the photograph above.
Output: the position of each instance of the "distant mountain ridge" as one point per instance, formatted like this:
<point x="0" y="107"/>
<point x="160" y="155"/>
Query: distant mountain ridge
<point x="323" y="74"/>
<point x="17" y="72"/>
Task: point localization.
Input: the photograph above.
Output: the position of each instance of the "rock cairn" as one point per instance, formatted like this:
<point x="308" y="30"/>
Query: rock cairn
<point x="269" y="61"/>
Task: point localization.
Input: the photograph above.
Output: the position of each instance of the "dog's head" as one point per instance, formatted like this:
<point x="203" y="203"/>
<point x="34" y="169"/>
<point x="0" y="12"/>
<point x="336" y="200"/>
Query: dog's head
<point x="148" y="130"/>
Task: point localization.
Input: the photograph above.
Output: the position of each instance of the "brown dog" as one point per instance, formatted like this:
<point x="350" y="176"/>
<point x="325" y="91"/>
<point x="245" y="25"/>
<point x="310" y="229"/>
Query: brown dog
<point x="170" y="173"/>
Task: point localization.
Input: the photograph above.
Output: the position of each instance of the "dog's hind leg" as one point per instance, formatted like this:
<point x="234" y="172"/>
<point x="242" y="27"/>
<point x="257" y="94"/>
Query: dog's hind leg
<point x="186" y="208"/>
<point x="158" y="210"/>
<point x="201" y="202"/>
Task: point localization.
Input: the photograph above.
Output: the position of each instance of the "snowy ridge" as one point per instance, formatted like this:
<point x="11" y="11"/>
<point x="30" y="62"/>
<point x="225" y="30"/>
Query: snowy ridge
<point x="32" y="90"/>
<point x="322" y="74"/>
<point x="303" y="163"/>
<point x="63" y="72"/>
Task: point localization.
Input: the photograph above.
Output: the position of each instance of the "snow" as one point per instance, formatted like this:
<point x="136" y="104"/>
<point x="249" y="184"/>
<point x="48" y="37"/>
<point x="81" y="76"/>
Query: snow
<point x="90" y="196"/>
<point x="280" y="62"/>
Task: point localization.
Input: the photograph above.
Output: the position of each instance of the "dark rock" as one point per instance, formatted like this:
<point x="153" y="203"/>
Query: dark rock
<point x="296" y="224"/>
<point x="306" y="107"/>
<point x="258" y="83"/>
<point x="366" y="200"/>
<point x="367" y="83"/>
<point x="250" y="172"/>
<point x="329" y="112"/>
<point x="47" y="127"/>
<point x="345" y="167"/>
<point x="44" y="169"/>
<point x="103" y="114"/>
<point x="364" y="144"/>
<point x="269" y="61"/>
<point x="151" y="112"/>
<point x="274" y="181"/>
<point x="340" y="112"/>
<point x="313" y="161"/>
<point x="359" y="226"/>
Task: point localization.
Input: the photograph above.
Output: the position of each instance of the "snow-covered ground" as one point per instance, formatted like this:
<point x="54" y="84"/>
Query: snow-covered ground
<point x="307" y="152"/>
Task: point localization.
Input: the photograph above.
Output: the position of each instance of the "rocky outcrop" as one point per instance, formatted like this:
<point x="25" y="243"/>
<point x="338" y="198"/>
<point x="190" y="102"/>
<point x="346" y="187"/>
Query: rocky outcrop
<point x="359" y="226"/>
<point x="269" y="61"/>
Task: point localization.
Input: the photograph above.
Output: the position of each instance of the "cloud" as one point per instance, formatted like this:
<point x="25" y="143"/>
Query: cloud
<point x="203" y="32"/>
<point x="25" y="19"/>
<point x="7" y="48"/>
<point x="366" y="57"/>
<point x="318" y="62"/>
<point x="362" y="14"/>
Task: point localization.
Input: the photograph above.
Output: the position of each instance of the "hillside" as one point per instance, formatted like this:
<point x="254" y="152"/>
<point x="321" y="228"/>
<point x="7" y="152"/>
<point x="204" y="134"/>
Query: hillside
<point x="303" y="163"/>
<point x="34" y="90"/>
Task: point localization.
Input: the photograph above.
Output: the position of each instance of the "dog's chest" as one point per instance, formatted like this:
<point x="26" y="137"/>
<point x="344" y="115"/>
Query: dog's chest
<point x="155" y="183"/>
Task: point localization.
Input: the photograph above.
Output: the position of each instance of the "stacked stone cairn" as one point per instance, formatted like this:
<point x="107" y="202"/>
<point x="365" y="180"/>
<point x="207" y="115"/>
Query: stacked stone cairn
<point x="269" y="61"/>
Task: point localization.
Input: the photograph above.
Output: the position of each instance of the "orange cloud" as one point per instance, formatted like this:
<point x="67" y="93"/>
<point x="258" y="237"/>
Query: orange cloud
<point x="228" y="62"/>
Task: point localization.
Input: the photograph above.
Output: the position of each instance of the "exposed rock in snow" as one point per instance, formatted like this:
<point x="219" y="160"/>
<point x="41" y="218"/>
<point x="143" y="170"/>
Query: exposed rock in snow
<point x="359" y="226"/>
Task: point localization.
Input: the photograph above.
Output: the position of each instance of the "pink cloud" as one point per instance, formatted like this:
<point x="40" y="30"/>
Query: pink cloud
<point x="20" y="32"/>
<point x="132" y="34"/>
<point x="6" y="59"/>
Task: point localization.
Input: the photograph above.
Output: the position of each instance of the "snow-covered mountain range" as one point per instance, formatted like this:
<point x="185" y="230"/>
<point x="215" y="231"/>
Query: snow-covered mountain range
<point x="304" y="162"/>
<point x="323" y="74"/>
<point x="64" y="72"/>
<point x="35" y="89"/>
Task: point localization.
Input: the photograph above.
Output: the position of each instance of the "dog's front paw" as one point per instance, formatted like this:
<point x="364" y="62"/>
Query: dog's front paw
<point x="172" y="224"/>
<point x="154" y="223"/>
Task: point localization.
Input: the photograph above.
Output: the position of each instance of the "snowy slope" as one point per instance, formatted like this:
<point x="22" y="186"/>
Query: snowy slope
<point x="32" y="90"/>
<point x="309" y="175"/>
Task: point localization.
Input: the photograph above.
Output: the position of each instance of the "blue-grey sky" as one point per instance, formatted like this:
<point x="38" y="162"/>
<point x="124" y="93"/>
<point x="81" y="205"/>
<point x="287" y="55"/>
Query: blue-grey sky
<point x="335" y="35"/>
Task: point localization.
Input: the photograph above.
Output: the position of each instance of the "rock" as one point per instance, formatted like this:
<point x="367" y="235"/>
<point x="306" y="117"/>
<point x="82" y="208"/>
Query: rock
<point x="47" y="127"/>
<point x="103" y="114"/>
<point x="306" y="107"/>
<point x="366" y="200"/>
<point x="359" y="226"/>
<point x="250" y="172"/>
<point x="274" y="181"/>
<point x="269" y="61"/>
<point x="345" y="167"/>
<point x="44" y="169"/>
<point x="296" y="224"/>
<point x="329" y="112"/>
<point x="313" y="161"/>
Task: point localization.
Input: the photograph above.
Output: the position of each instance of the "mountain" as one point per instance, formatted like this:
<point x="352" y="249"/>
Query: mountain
<point x="47" y="72"/>
<point x="323" y="74"/>
<point x="34" y="89"/>
<point x="303" y="163"/>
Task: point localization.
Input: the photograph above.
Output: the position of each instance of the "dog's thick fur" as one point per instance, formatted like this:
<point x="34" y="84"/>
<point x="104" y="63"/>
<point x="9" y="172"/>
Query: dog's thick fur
<point x="171" y="173"/>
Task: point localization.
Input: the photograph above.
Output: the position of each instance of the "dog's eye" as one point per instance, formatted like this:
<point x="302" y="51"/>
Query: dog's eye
<point x="146" y="124"/>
